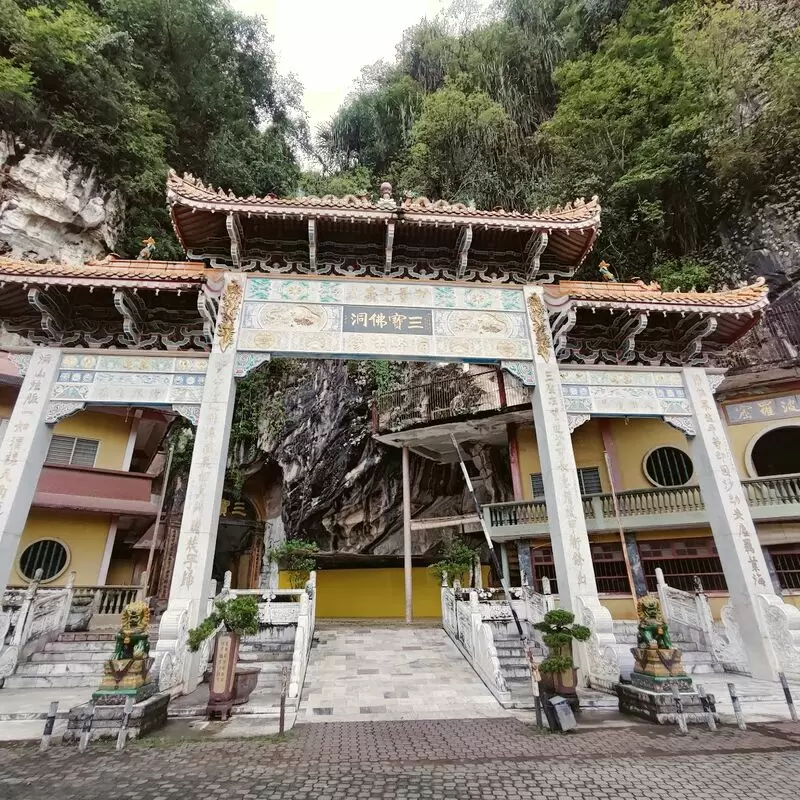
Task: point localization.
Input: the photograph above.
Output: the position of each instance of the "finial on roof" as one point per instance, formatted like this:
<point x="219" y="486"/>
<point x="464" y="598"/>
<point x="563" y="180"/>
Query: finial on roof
<point x="605" y="273"/>
<point x="386" y="190"/>
<point x="146" y="253"/>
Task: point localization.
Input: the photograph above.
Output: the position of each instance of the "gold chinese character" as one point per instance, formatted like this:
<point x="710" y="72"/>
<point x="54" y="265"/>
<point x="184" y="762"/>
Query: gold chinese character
<point x="767" y="408"/>
<point x="359" y="319"/>
<point x="789" y="404"/>
<point x="743" y="412"/>
<point x="415" y="323"/>
<point x="378" y="320"/>
<point x="398" y="320"/>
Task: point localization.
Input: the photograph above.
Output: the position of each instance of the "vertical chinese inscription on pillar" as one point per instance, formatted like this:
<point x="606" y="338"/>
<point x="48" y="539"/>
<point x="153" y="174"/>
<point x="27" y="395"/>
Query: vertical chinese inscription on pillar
<point x="35" y="395"/>
<point x="722" y="462"/>
<point x="564" y="476"/>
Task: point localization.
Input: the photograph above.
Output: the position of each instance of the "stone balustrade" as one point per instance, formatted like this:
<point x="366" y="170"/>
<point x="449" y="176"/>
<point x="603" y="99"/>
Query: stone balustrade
<point x="770" y="499"/>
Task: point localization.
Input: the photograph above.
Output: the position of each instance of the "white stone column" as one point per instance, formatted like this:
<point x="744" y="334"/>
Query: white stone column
<point x="186" y="607"/>
<point x="769" y="628"/>
<point x="22" y="453"/>
<point x="572" y="557"/>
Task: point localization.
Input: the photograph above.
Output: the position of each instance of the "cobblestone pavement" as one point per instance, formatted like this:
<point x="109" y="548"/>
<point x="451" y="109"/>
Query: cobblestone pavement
<point x="437" y="759"/>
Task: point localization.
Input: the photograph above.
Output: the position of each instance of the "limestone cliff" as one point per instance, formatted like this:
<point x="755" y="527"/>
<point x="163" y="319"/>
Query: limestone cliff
<point x="52" y="208"/>
<point x="344" y="489"/>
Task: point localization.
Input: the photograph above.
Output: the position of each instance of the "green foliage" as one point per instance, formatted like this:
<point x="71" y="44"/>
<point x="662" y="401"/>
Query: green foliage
<point x="382" y="374"/>
<point x="458" y="559"/>
<point x="559" y="630"/>
<point x="682" y="116"/>
<point x="297" y="557"/>
<point x="133" y="86"/>
<point x="238" y="615"/>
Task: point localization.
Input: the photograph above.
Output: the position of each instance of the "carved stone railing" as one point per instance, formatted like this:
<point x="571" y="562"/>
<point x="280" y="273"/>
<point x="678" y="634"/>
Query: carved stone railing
<point x="276" y="608"/>
<point x="643" y="502"/>
<point x="689" y="614"/>
<point x="304" y="636"/>
<point x="40" y="618"/>
<point x="110" y="599"/>
<point x="641" y="509"/>
<point x="463" y="621"/>
<point x="598" y="660"/>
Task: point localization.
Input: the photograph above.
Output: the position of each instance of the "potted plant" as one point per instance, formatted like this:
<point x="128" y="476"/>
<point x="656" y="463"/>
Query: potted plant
<point x="298" y="558"/>
<point x="229" y="684"/>
<point x="458" y="560"/>
<point x="559" y="674"/>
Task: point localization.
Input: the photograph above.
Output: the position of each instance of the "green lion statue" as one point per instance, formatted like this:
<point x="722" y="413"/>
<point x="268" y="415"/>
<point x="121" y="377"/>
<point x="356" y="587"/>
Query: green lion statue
<point x="652" y="628"/>
<point x="132" y="639"/>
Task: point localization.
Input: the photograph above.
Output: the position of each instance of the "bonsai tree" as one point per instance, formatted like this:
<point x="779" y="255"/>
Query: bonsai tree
<point x="458" y="560"/>
<point x="559" y="629"/>
<point x="238" y="615"/>
<point x="298" y="558"/>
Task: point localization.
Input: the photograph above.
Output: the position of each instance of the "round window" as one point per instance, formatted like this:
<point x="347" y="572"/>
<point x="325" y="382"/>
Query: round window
<point x="777" y="452"/>
<point x="668" y="466"/>
<point x="48" y="555"/>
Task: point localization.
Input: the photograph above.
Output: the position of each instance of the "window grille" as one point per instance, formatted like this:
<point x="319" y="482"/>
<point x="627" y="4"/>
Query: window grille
<point x="681" y="560"/>
<point x="588" y="481"/>
<point x="668" y="466"/>
<point x="48" y="555"/>
<point x="786" y="560"/>
<point x="72" y="451"/>
<point x="608" y="562"/>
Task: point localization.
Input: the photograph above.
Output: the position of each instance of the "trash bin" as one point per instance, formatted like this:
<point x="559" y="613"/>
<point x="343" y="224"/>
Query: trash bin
<point x="560" y="714"/>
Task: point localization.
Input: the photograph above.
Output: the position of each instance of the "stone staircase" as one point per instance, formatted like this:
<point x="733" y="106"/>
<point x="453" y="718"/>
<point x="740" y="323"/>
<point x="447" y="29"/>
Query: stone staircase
<point x="696" y="661"/>
<point x="516" y="672"/>
<point x="73" y="660"/>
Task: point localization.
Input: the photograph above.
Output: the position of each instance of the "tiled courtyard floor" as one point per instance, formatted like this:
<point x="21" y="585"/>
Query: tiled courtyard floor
<point x="376" y="673"/>
<point x="437" y="759"/>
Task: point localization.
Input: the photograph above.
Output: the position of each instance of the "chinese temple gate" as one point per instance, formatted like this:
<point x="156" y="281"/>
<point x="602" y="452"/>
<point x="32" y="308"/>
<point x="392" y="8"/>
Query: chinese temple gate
<point x="350" y="277"/>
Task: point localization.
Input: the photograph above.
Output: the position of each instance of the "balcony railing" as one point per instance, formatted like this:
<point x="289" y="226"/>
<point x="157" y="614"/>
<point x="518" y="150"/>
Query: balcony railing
<point x="446" y="398"/>
<point x="769" y="499"/>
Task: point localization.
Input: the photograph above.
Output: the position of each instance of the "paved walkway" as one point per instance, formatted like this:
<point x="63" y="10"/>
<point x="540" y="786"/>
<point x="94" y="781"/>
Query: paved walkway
<point x="391" y="673"/>
<point x="486" y="759"/>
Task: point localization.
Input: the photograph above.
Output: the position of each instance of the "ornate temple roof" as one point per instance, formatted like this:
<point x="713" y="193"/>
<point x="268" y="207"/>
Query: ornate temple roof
<point x="750" y="298"/>
<point x="610" y="322"/>
<point x="107" y="272"/>
<point x="355" y="235"/>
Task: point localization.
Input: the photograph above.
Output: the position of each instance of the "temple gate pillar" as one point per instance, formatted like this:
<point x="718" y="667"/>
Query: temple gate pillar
<point x="23" y="451"/>
<point x="572" y="557"/>
<point x="191" y="575"/>
<point x="769" y="629"/>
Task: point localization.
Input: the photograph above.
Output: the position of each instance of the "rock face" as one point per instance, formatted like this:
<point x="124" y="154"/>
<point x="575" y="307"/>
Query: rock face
<point x="52" y="209"/>
<point x="343" y="489"/>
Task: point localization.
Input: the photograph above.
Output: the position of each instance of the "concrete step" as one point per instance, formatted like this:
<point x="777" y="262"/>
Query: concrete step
<point x="71" y="681"/>
<point x="87" y="636"/>
<point x="31" y="668"/>
<point x="70" y="656"/>
<point x="106" y="647"/>
<point x="265" y="657"/>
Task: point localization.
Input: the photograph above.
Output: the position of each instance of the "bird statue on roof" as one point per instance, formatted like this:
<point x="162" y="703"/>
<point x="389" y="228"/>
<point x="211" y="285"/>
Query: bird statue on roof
<point x="146" y="253"/>
<point x="605" y="273"/>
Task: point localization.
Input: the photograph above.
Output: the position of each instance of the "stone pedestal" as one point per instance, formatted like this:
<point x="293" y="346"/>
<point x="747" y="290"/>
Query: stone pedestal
<point x="147" y="716"/>
<point x="659" y="706"/>
<point x="123" y="678"/>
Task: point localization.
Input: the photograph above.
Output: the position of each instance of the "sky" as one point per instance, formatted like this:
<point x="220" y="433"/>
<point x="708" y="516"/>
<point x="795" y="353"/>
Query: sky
<point x="325" y="43"/>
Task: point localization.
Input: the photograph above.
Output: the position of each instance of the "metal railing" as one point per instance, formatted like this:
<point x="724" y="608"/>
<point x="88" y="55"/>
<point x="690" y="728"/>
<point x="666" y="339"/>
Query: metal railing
<point x="445" y="398"/>
<point x="783" y="490"/>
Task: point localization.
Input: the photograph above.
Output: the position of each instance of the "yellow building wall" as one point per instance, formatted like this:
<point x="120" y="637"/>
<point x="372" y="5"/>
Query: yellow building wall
<point x="112" y="430"/>
<point x="84" y="535"/>
<point x="120" y="572"/>
<point x="375" y="593"/>
<point x="587" y="444"/>
<point x="633" y="440"/>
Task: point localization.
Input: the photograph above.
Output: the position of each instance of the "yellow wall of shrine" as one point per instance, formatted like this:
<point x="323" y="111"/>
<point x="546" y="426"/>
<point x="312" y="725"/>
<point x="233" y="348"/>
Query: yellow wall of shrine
<point x="375" y="593"/>
<point x="112" y="430"/>
<point x="84" y="536"/>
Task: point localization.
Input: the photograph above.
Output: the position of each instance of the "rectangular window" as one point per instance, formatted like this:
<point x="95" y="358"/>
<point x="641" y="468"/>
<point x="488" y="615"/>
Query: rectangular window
<point x="71" y="451"/>
<point x="682" y="560"/>
<point x="588" y="481"/>
<point x="608" y="563"/>
<point x="786" y="559"/>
